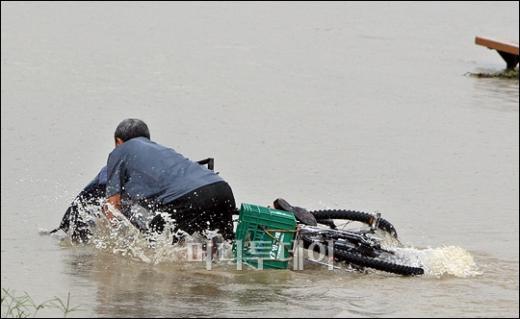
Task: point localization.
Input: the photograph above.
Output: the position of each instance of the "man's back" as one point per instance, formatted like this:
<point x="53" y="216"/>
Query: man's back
<point x="145" y="170"/>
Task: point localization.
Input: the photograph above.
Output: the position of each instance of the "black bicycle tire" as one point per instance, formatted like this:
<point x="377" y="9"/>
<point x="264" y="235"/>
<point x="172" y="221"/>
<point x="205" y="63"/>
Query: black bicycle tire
<point x="378" y="264"/>
<point x="370" y="262"/>
<point x="354" y="216"/>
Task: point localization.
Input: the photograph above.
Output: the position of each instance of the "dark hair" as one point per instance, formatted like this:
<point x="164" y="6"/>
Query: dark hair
<point x="131" y="128"/>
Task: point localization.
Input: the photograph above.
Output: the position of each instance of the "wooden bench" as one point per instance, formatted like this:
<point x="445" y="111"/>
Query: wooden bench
<point x="507" y="50"/>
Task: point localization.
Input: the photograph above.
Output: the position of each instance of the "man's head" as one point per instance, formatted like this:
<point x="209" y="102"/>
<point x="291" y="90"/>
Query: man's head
<point x="129" y="129"/>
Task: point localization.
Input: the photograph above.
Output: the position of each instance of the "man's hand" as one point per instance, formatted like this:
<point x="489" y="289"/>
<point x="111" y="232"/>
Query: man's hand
<point x="112" y="207"/>
<point x="107" y="211"/>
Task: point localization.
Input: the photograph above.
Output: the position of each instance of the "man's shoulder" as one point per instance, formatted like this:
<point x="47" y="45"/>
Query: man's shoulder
<point x="135" y="143"/>
<point x="126" y="147"/>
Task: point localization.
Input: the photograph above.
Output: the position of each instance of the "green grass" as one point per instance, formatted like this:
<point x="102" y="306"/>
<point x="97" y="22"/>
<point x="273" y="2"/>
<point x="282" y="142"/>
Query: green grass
<point x="23" y="306"/>
<point x="506" y="74"/>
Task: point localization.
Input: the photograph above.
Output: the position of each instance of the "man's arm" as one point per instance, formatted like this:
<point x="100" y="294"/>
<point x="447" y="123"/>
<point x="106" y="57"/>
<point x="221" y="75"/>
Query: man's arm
<point x="115" y="173"/>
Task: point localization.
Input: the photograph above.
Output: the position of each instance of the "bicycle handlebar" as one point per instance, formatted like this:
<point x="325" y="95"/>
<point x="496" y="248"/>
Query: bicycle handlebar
<point x="210" y="161"/>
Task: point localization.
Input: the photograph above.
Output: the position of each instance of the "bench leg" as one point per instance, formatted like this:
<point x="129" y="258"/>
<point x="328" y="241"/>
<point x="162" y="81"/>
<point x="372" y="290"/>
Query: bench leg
<point x="511" y="60"/>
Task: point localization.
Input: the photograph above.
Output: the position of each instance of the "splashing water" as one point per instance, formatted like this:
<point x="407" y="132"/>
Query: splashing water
<point x="436" y="262"/>
<point x="121" y="237"/>
<point x="441" y="261"/>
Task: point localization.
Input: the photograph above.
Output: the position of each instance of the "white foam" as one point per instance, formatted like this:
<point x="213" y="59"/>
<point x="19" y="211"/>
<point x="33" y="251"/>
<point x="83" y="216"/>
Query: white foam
<point x="441" y="261"/>
<point x="126" y="240"/>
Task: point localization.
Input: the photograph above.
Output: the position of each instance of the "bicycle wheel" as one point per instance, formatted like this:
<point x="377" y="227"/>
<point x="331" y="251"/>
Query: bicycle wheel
<point x="372" y="262"/>
<point x="367" y="261"/>
<point x="354" y="216"/>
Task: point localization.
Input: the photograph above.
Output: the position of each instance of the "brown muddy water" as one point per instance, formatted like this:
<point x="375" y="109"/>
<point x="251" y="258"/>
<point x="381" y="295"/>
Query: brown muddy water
<point x="359" y="106"/>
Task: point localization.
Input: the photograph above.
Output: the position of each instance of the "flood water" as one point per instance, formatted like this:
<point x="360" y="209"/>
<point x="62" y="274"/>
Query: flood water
<point x="358" y="106"/>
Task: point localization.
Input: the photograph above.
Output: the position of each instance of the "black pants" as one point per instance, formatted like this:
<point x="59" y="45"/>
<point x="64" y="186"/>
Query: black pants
<point x="208" y="207"/>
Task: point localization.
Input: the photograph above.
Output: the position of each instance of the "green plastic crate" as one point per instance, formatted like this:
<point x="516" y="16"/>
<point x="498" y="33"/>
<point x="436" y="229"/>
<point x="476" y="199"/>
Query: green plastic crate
<point x="264" y="236"/>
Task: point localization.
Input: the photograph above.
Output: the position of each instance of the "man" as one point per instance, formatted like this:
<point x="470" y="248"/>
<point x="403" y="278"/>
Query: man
<point x="158" y="178"/>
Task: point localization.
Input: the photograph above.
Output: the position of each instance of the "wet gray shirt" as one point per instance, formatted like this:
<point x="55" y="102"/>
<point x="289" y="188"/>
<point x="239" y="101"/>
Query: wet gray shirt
<point x="144" y="170"/>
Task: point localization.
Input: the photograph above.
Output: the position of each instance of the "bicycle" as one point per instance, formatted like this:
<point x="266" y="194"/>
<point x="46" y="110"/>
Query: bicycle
<point x="361" y="248"/>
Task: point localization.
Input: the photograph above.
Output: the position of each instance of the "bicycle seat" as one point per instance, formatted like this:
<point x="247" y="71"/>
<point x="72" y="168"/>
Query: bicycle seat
<point x="301" y="214"/>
